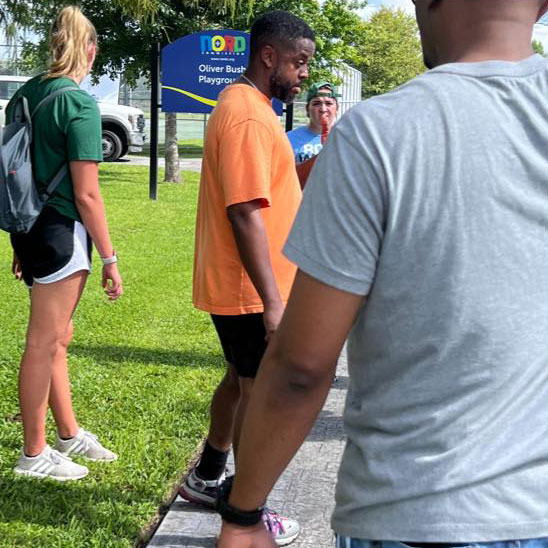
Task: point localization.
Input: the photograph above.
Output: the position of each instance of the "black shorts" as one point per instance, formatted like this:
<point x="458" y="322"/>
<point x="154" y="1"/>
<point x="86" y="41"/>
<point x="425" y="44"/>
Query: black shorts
<point x="53" y="249"/>
<point x="243" y="341"/>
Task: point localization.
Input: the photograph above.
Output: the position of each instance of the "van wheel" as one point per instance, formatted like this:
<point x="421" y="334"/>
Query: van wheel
<point x="112" y="146"/>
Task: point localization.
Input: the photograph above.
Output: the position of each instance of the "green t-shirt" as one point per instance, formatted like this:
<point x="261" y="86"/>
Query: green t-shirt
<point x="68" y="128"/>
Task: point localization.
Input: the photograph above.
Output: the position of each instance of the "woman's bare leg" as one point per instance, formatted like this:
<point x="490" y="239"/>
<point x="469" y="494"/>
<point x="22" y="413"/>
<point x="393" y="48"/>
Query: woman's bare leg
<point x="52" y="306"/>
<point x="60" y="399"/>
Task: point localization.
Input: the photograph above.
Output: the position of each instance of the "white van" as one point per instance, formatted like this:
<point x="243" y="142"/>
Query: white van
<point x="123" y="128"/>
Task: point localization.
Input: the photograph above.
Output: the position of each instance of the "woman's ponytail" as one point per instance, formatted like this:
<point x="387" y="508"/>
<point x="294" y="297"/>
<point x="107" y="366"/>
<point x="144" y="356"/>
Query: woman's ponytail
<point x="71" y="35"/>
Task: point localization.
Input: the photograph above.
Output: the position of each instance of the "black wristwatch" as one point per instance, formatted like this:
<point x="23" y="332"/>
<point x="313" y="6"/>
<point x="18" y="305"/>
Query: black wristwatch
<point x="230" y="514"/>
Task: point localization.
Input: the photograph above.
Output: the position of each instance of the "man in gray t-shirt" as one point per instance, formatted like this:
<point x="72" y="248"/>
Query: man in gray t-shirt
<point x="423" y="237"/>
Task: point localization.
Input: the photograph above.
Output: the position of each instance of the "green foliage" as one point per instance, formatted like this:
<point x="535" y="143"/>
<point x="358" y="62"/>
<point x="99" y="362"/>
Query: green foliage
<point x="389" y="52"/>
<point x="336" y="23"/>
<point x="538" y="47"/>
<point x="126" y="28"/>
<point x="143" y="370"/>
<point x="127" y="31"/>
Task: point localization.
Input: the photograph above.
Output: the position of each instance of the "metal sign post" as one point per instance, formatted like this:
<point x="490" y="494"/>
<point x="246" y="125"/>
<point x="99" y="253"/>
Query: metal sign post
<point x="154" y="106"/>
<point x="289" y="117"/>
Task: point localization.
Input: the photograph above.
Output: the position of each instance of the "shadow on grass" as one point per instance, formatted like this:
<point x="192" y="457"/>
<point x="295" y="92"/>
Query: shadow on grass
<point x="148" y="356"/>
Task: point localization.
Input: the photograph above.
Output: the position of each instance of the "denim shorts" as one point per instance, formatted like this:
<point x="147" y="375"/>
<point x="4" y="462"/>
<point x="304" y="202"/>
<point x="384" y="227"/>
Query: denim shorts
<point x="347" y="542"/>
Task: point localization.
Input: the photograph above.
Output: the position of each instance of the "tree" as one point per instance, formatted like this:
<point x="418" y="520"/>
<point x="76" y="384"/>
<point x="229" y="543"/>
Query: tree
<point x="389" y="52"/>
<point x="126" y="35"/>
<point x="172" y="170"/>
<point x="336" y="23"/>
<point x="127" y="29"/>
<point x="538" y="47"/>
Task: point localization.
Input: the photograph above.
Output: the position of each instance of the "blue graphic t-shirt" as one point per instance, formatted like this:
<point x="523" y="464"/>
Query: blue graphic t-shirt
<point x="305" y="143"/>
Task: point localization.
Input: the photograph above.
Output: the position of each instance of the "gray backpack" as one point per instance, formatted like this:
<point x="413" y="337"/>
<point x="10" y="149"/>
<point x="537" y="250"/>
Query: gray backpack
<point x="20" y="201"/>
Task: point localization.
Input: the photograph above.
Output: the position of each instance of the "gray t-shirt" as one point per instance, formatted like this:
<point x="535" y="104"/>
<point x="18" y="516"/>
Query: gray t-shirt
<point x="432" y="200"/>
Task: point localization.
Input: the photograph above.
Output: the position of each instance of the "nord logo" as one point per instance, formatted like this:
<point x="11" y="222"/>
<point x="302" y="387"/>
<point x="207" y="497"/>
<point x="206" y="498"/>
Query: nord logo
<point x="222" y="44"/>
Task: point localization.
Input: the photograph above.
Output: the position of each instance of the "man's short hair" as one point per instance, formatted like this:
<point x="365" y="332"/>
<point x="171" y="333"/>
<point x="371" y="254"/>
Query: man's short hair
<point x="278" y="28"/>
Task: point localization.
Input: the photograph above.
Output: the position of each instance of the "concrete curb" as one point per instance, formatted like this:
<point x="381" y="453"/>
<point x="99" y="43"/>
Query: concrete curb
<point x="304" y="492"/>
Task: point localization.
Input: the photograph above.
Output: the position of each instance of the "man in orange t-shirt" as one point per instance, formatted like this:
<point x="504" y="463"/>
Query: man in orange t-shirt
<point x="249" y="195"/>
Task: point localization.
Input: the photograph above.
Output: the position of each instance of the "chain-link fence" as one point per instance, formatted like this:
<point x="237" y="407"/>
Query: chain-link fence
<point x="192" y="126"/>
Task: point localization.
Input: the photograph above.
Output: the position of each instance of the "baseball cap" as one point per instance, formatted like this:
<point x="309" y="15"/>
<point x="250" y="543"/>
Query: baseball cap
<point x="315" y="91"/>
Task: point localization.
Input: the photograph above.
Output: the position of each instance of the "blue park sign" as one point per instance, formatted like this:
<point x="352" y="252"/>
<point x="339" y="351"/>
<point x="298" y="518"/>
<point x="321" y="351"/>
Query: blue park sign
<point x="197" y="67"/>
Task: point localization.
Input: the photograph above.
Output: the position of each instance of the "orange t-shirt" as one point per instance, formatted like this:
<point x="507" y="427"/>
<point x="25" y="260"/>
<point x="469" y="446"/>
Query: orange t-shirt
<point x="247" y="156"/>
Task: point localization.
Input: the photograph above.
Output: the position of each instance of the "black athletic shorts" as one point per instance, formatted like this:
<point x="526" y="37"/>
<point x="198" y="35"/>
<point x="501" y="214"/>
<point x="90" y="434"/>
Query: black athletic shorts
<point x="53" y="249"/>
<point x="243" y="341"/>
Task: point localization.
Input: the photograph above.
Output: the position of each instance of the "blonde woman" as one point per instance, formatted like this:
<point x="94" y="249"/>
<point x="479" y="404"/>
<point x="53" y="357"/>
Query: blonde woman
<point x="54" y="258"/>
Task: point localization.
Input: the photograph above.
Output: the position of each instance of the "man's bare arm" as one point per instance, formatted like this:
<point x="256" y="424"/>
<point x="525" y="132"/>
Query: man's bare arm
<point x="290" y="389"/>
<point x="252" y="241"/>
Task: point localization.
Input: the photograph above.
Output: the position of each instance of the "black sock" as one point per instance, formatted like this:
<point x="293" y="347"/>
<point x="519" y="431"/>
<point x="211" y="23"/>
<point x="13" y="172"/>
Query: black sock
<point x="212" y="463"/>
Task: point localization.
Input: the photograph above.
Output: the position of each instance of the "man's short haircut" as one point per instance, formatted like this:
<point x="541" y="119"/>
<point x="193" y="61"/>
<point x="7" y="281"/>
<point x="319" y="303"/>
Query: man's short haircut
<point x="278" y="28"/>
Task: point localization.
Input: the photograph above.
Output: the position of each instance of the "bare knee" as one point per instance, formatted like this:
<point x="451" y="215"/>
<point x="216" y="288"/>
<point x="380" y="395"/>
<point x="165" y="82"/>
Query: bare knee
<point x="68" y="337"/>
<point x="47" y="344"/>
<point x="231" y="380"/>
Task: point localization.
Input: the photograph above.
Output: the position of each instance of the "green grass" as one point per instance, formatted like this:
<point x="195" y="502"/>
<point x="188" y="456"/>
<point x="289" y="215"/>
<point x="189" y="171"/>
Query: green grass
<point x="142" y="369"/>
<point x="188" y="148"/>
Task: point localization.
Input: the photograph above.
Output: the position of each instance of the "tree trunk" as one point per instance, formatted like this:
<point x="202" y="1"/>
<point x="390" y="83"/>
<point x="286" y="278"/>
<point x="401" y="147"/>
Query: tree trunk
<point x="172" y="171"/>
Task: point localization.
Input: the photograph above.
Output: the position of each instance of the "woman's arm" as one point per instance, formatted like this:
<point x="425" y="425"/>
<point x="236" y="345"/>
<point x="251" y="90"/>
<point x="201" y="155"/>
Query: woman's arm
<point x="85" y="179"/>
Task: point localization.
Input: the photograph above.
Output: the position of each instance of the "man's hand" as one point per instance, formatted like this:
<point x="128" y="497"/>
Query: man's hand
<point x="271" y="317"/>
<point x="16" y="267"/>
<point x="233" y="536"/>
<point x="112" y="281"/>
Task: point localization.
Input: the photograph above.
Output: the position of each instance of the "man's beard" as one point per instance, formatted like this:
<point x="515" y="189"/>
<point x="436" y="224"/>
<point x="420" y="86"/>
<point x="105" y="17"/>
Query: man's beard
<point x="281" y="90"/>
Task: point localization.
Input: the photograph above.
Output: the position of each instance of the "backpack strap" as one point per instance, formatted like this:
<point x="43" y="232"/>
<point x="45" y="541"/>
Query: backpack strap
<point x="52" y="96"/>
<point x="59" y="176"/>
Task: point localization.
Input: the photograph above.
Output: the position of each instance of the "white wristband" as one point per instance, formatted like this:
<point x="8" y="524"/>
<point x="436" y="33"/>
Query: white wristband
<point x="110" y="260"/>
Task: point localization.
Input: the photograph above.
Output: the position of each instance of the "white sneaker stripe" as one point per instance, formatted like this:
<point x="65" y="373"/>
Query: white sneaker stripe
<point x="78" y="447"/>
<point x="37" y="466"/>
<point x="41" y="467"/>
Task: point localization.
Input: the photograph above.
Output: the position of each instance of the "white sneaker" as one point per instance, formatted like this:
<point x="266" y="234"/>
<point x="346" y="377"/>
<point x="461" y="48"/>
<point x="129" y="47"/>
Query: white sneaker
<point x="85" y="444"/>
<point x="200" y="491"/>
<point x="50" y="464"/>
<point x="283" y="530"/>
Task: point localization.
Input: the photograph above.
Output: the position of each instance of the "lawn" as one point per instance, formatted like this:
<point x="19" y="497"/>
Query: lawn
<point x="143" y="370"/>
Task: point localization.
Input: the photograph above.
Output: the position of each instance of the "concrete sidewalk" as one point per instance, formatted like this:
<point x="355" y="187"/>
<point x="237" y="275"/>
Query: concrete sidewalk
<point x="304" y="492"/>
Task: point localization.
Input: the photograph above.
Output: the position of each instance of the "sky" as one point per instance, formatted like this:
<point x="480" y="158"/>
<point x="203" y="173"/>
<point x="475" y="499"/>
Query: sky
<point x="540" y="33"/>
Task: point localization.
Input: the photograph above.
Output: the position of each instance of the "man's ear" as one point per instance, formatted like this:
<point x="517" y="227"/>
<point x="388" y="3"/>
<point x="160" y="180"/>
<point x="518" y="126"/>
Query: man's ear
<point x="543" y="10"/>
<point x="307" y="112"/>
<point x="269" y="56"/>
